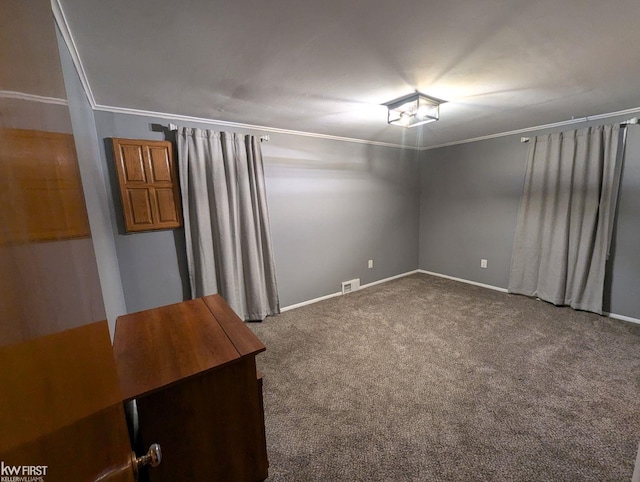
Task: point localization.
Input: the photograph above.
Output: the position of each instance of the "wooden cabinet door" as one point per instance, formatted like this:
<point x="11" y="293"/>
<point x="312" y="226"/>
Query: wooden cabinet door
<point x="149" y="185"/>
<point x="61" y="416"/>
<point x="61" y="413"/>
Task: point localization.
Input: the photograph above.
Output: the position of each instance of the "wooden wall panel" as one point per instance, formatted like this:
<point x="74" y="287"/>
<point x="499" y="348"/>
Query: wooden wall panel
<point x="140" y="203"/>
<point x="161" y="164"/>
<point x="167" y="211"/>
<point x="133" y="163"/>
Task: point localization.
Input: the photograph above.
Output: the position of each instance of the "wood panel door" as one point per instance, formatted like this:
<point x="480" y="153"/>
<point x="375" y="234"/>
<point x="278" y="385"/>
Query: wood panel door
<point x="61" y="416"/>
<point x="149" y="186"/>
<point x="61" y="412"/>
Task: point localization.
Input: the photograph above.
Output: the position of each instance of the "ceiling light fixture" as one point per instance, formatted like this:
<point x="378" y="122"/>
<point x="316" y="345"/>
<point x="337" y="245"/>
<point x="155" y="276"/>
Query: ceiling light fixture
<point x="413" y="110"/>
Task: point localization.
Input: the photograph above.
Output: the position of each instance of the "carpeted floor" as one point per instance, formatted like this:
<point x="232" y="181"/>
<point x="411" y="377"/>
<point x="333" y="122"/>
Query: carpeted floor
<point x="428" y="379"/>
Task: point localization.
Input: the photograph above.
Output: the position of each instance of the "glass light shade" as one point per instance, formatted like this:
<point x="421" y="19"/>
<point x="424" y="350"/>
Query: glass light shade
<point x="414" y="110"/>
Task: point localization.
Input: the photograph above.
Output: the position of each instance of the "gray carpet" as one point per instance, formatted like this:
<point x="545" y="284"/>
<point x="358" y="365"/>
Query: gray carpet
<point x="428" y="379"/>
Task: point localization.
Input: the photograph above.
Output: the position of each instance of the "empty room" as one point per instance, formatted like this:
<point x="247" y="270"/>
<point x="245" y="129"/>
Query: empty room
<point x="319" y="241"/>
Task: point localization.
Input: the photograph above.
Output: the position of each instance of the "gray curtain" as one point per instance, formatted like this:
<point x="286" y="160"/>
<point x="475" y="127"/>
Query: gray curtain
<point x="566" y="217"/>
<point x="229" y="248"/>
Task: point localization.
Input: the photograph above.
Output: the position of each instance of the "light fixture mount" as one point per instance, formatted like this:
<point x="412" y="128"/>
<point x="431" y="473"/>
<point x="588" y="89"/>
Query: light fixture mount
<point x="413" y="110"/>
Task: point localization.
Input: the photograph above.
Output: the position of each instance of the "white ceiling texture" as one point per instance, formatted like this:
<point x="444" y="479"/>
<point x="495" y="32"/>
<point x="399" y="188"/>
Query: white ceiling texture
<point x="326" y="67"/>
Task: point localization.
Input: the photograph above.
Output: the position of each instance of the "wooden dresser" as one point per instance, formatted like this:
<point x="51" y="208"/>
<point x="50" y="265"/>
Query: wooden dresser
<point x="191" y="368"/>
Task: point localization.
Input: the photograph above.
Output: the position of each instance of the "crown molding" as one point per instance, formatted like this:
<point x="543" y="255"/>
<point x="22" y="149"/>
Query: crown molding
<point x="239" y="125"/>
<point x="553" y="125"/>
<point x="63" y="26"/>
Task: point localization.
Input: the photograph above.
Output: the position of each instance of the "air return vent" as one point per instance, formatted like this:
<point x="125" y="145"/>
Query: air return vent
<point x="351" y="285"/>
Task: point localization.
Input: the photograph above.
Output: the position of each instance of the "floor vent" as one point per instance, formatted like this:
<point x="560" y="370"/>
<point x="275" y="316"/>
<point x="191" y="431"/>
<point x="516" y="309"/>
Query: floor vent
<point x="351" y="285"/>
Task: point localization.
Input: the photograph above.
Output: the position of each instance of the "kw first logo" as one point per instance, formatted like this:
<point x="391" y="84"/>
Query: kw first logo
<point x="22" y="473"/>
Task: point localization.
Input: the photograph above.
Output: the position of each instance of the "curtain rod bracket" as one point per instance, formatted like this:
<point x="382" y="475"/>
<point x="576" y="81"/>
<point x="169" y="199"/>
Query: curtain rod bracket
<point x="525" y="139"/>
<point x="265" y="138"/>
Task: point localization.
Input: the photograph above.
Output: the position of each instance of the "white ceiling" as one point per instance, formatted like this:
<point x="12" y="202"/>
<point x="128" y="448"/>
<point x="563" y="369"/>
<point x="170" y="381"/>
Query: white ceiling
<point x="326" y="67"/>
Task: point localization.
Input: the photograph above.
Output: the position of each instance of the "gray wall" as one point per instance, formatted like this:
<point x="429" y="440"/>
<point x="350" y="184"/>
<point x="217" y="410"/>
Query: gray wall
<point x="469" y="201"/>
<point x="333" y="205"/>
<point x="95" y="189"/>
<point x="149" y="262"/>
<point x="468" y="208"/>
<point x="625" y="256"/>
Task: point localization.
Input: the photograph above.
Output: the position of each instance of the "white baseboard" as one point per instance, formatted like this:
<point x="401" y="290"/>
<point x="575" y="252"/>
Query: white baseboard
<point x="440" y="275"/>
<point x="309" y="302"/>
<point x="475" y="283"/>
<point x="408" y="273"/>
<point x="622" y="317"/>
<point x="333" y="295"/>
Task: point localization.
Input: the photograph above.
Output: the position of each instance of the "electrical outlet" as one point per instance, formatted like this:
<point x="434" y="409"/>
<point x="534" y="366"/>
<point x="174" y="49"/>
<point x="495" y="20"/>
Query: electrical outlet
<point x="483" y="263"/>
<point x="370" y="264"/>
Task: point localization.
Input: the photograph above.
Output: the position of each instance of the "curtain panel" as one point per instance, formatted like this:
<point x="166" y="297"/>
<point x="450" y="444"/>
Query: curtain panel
<point x="566" y="217"/>
<point x="226" y="220"/>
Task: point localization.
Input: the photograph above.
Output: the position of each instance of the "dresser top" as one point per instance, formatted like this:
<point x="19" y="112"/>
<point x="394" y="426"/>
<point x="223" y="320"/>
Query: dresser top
<point x="161" y="346"/>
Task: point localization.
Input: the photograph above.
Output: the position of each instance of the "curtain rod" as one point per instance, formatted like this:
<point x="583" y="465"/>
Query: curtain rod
<point x="173" y="127"/>
<point x="632" y="121"/>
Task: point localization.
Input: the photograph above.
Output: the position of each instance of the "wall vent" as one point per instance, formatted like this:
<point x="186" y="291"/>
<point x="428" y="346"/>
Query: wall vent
<point x="351" y="285"/>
